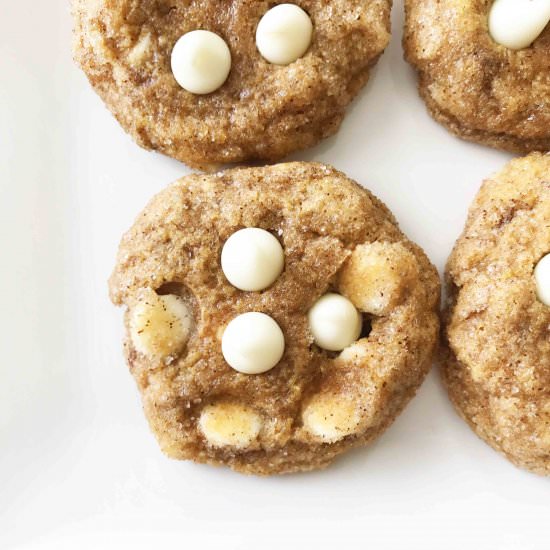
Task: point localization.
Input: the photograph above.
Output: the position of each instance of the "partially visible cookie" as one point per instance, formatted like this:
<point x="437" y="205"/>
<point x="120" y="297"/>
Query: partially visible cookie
<point x="251" y="92"/>
<point x="497" y="332"/>
<point x="480" y="89"/>
<point x="275" y="317"/>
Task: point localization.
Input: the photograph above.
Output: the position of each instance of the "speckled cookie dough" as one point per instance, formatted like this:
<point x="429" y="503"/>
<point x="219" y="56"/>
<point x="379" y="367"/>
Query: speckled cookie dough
<point x="265" y="109"/>
<point x="269" y="413"/>
<point x="479" y="89"/>
<point x="497" y="337"/>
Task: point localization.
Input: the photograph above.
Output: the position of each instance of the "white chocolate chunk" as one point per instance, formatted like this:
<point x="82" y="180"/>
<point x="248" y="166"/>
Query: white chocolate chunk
<point x="284" y="34"/>
<point x="201" y="61"/>
<point x="159" y="325"/>
<point x="253" y="343"/>
<point x="334" y="322"/>
<point x="140" y="51"/>
<point x="252" y="259"/>
<point x="376" y="276"/>
<point x="516" y="24"/>
<point x="330" y="417"/>
<point x="542" y="280"/>
<point x="230" y="425"/>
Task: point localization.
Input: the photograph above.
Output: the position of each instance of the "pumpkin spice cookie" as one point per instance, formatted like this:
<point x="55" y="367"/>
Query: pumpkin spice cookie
<point x="275" y="317"/>
<point x="497" y="337"/>
<point x="210" y="82"/>
<point x="484" y="68"/>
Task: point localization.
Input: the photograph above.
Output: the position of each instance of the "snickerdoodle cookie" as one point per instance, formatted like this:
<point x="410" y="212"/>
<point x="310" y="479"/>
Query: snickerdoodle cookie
<point x="497" y="357"/>
<point x="275" y="317"/>
<point x="210" y="82"/>
<point x="484" y="68"/>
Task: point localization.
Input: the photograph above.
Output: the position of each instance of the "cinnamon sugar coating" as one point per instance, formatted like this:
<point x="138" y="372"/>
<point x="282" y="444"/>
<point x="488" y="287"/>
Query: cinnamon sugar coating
<point x="263" y="111"/>
<point x="497" y="334"/>
<point x="480" y="90"/>
<point x="313" y="405"/>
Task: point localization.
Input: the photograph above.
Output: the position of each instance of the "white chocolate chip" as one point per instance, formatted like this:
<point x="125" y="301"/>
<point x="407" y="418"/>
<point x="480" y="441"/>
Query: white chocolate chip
<point x="252" y="259"/>
<point x="201" y="61"/>
<point x="542" y="280"/>
<point x="253" y="343"/>
<point x="331" y="417"/>
<point x="230" y="425"/>
<point x="516" y="24"/>
<point x="159" y="325"/>
<point x="334" y="322"/>
<point x="284" y="34"/>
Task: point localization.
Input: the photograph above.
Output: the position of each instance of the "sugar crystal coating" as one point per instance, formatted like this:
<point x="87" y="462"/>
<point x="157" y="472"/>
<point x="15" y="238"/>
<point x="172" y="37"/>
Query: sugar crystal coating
<point x="497" y="340"/>
<point x="313" y="404"/>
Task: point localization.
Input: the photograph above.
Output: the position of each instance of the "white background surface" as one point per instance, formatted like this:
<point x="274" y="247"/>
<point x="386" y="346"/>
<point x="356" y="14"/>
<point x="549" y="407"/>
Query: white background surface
<point x="78" y="466"/>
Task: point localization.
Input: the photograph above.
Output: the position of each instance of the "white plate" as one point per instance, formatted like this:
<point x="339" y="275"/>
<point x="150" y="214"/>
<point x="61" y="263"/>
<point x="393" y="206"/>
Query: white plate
<point x="78" y="466"/>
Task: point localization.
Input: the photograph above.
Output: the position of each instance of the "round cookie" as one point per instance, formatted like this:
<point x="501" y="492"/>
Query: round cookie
<point x="313" y="404"/>
<point x="263" y="110"/>
<point x="479" y="89"/>
<point x="497" y="335"/>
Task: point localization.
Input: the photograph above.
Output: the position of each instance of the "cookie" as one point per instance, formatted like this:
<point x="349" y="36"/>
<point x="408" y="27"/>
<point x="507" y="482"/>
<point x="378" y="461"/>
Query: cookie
<point x="497" y="328"/>
<point x="484" y="68"/>
<point x="210" y="82"/>
<point x="275" y="317"/>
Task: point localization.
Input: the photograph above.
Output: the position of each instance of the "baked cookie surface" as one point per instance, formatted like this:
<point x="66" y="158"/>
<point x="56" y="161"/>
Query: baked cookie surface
<point x="497" y="334"/>
<point x="480" y="90"/>
<point x="313" y="404"/>
<point x="263" y="110"/>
